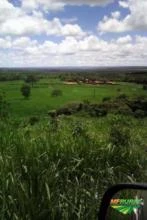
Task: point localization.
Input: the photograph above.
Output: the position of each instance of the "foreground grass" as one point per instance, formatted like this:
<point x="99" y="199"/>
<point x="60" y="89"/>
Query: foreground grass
<point x="60" y="169"/>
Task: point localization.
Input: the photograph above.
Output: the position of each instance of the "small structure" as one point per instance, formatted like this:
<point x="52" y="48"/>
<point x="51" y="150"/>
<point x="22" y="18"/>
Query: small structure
<point x="90" y="82"/>
<point x="70" y="83"/>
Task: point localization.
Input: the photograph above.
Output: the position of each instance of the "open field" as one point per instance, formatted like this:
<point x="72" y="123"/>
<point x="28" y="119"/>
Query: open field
<point x="41" y="100"/>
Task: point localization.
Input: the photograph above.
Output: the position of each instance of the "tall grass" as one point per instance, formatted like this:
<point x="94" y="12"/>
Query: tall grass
<point x="60" y="169"/>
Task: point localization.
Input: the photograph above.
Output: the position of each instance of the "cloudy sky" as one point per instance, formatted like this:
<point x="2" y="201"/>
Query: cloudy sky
<point x="44" y="33"/>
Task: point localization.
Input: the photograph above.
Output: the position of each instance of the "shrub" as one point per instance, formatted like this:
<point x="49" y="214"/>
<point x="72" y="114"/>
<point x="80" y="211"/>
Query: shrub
<point x="56" y="92"/>
<point x="97" y="110"/>
<point x="122" y="96"/>
<point x="139" y="103"/>
<point x="64" y="111"/>
<point x="101" y="112"/>
<point x="124" y="109"/>
<point x="26" y="90"/>
<point x="33" y="120"/>
<point x="75" y="107"/>
<point x="107" y="98"/>
<point x="139" y="113"/>
<point x="52" y="113"/>
<point x="145" y="87"/>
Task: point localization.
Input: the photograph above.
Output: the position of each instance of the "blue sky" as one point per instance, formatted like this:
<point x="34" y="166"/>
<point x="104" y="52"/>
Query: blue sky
<point x="73" y="32"/>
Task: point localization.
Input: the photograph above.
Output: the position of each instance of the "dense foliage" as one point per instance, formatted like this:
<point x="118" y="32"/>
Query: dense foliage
<point x="56" y="92"/>
<point x="26" y="90"/>
<point x="60" y="169"/>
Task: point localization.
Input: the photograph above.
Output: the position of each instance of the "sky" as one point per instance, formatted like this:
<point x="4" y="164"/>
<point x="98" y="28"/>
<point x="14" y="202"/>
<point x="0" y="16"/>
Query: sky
<point x="53" y="33"/>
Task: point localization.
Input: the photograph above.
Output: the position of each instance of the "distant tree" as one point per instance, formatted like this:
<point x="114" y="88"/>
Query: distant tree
<point x="31" y="79"/>
<point x="26" y="90"/>
<point x="56" y="92"/>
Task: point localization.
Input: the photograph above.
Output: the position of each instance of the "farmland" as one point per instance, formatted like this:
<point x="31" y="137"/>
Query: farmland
<point x="59" y="167"/>
<point x="41" y="100"/>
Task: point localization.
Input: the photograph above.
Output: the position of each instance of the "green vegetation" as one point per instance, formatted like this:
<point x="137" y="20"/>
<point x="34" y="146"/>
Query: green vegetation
<point x="41" y="100"/>
<point x="56" y="92"/>
<point x="26" y="90"/>
<point x="4" y="107"/>
<point x="60" y="169"/>
<point x="31" y="79"/>
<point x="59" y="152"/>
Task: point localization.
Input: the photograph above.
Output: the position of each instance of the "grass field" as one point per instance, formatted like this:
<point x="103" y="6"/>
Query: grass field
<point x="41" y="100"/>
<point x="59" y="169"/>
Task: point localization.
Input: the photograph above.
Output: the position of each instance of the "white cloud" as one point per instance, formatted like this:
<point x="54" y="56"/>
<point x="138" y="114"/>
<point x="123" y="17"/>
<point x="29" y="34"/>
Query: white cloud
<point x="116" y="14"/>
<point x="135" y="20"/>
<point x="16" y="21"/>
<point x="56" y="5"/>
<point x="33" y="25"/>
<point x="123" y="4"/>
<point x="89" y="51"/>
<point x="5" y="43"/>
<point x="23" y="42"/>
<point x="7" y="10"/>
<point x="124" y="40"/>
<point x="69" y="20"/>
<point x="20" y="25"/>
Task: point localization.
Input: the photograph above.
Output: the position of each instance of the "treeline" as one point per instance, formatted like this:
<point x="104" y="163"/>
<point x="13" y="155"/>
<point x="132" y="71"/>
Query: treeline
<point x="136" y="77"/>
<point x="116" y="74"/>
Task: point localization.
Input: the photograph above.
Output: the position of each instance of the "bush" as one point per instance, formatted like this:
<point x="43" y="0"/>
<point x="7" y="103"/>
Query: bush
<point x="139" y="113"/>
<point x="124" y="109"/>
<point x="101" y="112"/>
<point x="52" y="113"/>
<point x="145" y="87"/>
<point x="122" y="96"/>
<point x="64" y="111"/>
<point x="107" y="98"/>
<point x="97" y="110"/>
<point x="33" y="120"/>
<point x="56" y="92"/>
<point x="75" y="107"/>
<point x="139" y="103"/>
<point x="26" y="90"/>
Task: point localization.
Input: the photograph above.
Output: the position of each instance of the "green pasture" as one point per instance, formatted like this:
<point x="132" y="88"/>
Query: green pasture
<point x="41" y="101"/>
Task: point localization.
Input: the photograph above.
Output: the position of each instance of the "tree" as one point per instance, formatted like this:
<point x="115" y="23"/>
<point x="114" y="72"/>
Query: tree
<point x="26" y="90"/>
<point x="56" y="92"/>
<point x="31" y="79"/>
